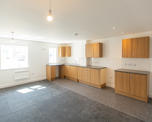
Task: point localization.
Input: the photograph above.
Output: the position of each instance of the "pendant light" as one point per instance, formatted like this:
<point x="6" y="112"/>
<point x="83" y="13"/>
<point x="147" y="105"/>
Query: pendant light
<point x="50" y="17"/>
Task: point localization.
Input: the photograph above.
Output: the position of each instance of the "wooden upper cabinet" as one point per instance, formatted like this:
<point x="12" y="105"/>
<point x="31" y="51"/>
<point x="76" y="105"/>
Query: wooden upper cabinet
<point x="136" y="47"/>
<point x="67" y="51"/>
<point x="94" y="50"/>
<point x="97" y="50"/>
<point x="89" y="50"/>
<point x="126" y="48"/>
<point x="64" y="51"/>
<point x="61" y="51"/>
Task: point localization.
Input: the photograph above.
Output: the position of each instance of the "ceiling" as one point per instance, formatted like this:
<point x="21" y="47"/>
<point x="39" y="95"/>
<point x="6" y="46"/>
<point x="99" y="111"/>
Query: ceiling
<point x="90" y="19"/>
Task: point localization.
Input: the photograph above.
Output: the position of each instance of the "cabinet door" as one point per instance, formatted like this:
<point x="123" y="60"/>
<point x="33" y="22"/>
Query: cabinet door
<point x="89" y="50"/>
<point x="67" y="51"/>
<point x="95" y="76"/>
<point x="53" y="72"/>
<point x="136" y="47"/>
<point x="65" y="70"/>
<point x="61" y="51"/>
<point x="62" y="71"/>
<point x="80" y="71"/>
<point x="140" y="47"/>
<point x="68" y="71"/>
<point x="122" y="82"/>
<point x="97" y="50"/>
<point x="75" y="73"/>
<point x="85" y="75"/>
<point x="71" y="72"/>
<point x="48" y="72"/>
<point x="138" y="85"/>
<point x="127" y="48"/>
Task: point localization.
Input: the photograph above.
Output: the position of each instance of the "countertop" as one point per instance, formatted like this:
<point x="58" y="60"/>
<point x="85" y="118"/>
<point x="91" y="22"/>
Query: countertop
<point x="93" y="67"/>
<point x="133" y="71"/>
<point x="55" y="64"/>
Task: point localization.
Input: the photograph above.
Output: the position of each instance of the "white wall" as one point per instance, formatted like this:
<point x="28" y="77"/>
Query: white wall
<point x="112" y="57"/>
<point x="38" y="58"/>
<point x="77" y="53"/>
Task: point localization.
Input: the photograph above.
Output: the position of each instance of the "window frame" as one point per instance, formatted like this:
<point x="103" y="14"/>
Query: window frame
<point x="14" y="68"/>
<point x="55" y="55"/>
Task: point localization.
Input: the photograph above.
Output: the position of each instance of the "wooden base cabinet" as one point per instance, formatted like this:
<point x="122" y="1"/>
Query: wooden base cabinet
<point x="122" y="83"/>
<point x="50" y="72"/>
<point x="89" y="76"/>
<point x="70" y="72"/>
<point x="84" y="75"/>
<point x="132" y="85"/>
<point x="92" y="77"/>
<point x="138" y="86"/>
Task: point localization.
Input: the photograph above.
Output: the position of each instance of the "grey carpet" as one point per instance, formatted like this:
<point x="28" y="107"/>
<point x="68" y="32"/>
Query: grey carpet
<point x="52" y="103"/>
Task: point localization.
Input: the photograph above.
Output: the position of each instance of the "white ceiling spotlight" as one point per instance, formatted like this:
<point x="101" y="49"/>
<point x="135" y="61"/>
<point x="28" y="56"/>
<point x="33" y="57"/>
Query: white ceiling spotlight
<point x="50" y="16"/>
<point x="114" y="28"/>
<point x="76" y="34"/>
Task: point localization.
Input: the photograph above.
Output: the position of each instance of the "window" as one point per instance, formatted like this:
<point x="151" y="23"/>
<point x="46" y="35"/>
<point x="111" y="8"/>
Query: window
<point x="14" y="57"/>
<point x="52" y="55"/>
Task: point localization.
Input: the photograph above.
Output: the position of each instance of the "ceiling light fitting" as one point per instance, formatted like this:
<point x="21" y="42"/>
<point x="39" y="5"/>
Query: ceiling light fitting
<point x="50" y="16"/>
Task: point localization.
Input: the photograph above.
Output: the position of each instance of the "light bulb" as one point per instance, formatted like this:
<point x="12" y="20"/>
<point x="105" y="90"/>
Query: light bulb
<point x="50" y="17"/>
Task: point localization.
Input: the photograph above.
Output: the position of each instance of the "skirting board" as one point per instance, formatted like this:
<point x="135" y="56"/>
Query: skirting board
<point x="19" y="83"/>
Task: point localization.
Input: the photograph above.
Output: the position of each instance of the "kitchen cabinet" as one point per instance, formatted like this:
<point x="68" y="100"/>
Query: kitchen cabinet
<point x="138" y="85"/>
<point x="97" y="50"/>
<point x="74" y="73"/>
<point x="70" y="72"/>
<point x="50" y="72"/>
<point x="61" y="51"/>
<point x="62" y="72"/>
<point x="85" y="75"/>
<point x="94" y="50"/>
<point x="89" y="50"/>
<point x="122" y="82"/>
<point x="136" y="47"/>
<point x="64" y="51"/>
<point x="67" y="51"/>
<point x="92" y="77"/>
<point x="127" y="48"/>
<point x="133" y="85"/>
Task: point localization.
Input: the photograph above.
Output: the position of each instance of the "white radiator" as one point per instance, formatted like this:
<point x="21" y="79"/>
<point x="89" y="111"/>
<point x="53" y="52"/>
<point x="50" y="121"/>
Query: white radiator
<point x="21" y="75"/>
